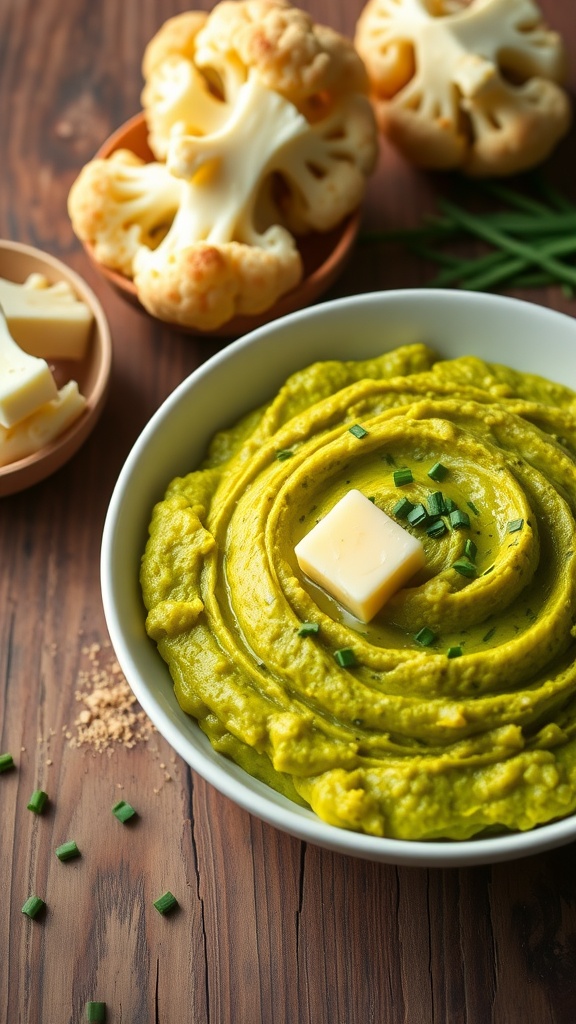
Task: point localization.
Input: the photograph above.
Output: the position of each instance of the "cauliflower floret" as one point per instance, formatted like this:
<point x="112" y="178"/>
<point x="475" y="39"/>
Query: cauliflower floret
<point x="323" y="166"/>
<point x="282" y="44"/>
<point x="177" y="100"/>
<point x="120" y="204"/>
<point x="468" y="85"/>
<point x="175" y="37"/>
<point x="192" y="76"/>
<point x="205" y="285"/>
<point x="266" y="129"/>
<point x="176" y="96"/>
<point x="245" y="258"/>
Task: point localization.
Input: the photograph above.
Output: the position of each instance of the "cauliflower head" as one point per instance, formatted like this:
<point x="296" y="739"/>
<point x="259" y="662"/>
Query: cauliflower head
<point x="468" y="84"/>
<point x="245" y="255"/>
<point x="196" y="64"/>
<point x="262" y="130"/>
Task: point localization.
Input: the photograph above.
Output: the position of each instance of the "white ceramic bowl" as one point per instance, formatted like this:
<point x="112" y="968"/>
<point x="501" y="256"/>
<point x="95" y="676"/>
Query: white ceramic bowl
<point x="519" y="334"/>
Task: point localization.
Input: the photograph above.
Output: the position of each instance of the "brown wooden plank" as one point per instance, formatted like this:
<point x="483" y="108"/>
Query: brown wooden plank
<point x="269" y="930"/>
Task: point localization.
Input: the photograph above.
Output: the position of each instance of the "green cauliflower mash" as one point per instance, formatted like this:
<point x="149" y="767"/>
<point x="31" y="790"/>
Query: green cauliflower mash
<point x="453" y="713"/>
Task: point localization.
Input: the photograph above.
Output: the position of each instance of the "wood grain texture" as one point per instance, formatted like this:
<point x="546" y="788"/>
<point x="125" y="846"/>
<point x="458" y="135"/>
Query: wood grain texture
<point x="269" y="929"/>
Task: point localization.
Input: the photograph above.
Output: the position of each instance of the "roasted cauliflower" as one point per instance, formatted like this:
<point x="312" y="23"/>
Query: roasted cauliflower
<point x="121" y="205"/>
<point x="469" y="84"/>
<point x="262" y="130"/>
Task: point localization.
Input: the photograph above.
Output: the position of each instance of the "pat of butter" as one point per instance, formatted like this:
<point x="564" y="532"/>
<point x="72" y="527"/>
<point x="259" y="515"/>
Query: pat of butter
<point x="43" y="426"/>
<point x="46" y="319"/>
<point x="26" y="382"/>
<point x="359" y="555"/>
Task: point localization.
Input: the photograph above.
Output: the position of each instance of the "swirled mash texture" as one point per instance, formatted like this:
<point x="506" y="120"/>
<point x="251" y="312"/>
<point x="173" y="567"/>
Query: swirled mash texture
<point x="456" y="715"/>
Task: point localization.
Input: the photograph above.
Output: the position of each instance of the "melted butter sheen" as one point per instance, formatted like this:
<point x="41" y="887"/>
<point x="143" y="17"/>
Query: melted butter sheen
<point x="473" y="730"/>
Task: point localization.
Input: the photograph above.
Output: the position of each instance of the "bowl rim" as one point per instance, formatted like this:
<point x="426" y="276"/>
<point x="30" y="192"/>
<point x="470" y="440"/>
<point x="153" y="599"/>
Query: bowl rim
<point x="224" y="775"/>
<point x="33" y="468"/>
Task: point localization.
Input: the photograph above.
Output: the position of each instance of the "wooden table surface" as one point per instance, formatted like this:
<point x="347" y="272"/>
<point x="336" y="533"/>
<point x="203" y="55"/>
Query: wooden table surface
<point x="269" y="929"/>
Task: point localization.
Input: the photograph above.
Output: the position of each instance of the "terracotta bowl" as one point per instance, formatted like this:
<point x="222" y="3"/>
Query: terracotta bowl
<point x="323" y="255"/>
<point x="92" y="372"/>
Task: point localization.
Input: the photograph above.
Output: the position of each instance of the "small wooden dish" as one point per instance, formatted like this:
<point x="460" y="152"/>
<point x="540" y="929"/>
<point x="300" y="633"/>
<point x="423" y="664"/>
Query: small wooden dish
<point x="323" y="254"/>
<point x="92" y="372"/>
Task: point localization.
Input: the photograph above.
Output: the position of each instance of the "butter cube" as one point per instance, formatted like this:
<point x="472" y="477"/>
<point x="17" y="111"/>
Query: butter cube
<point x="43" y="426"/>
<point x="359" y="555"/>
<point x="26" y="382"/>
<point x="45" y="319"/>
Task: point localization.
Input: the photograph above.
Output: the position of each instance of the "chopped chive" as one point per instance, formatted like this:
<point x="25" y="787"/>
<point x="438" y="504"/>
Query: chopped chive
<point x="67" y="851"/>
<point x="454" y="652"/>
<point x="437" y="472"/>
<point x="358" y="431"/>
<point x="37" y="801"/>
<point x="514" y="525"/>
<point x="425" y="636"/>
<point x="123" y="811"/>
<point x="450" y="505"/>
<point x="479" y="226"/>
<point x="470" y="550"/>
<point x="95" y="1012"/>
<point x="308" y="629"/>
<point x="473" y="508"/>
<point x="165" y="903"/>
<point x="345" y="657"/>
<point x="6" y="762"/>
<point x="437" y="529"/>
<point x="284" y="453"/>
<point x="402" y="508"/>
<point x="459" y="520"/>
<point x="402" y="476"/>
<point x="33" y="906"/>
<point x="435" y="503"/>
<point x="464" y="567"/>
<point x="488" y="636"/>
<point x="418" y="516"/>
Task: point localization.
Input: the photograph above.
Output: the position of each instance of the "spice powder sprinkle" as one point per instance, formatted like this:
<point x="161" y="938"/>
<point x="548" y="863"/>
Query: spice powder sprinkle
<point x="110" y="714"/>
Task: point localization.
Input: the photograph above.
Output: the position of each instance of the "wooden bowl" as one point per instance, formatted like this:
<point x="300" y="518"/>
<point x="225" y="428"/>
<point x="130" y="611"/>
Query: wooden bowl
<point x="323" y="254"/>
<point x="92" y="372"/>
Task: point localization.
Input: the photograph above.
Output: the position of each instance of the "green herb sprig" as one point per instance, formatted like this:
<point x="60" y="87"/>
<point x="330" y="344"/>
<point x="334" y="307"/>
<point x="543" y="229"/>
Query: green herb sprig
<point x="529" y="241"/>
